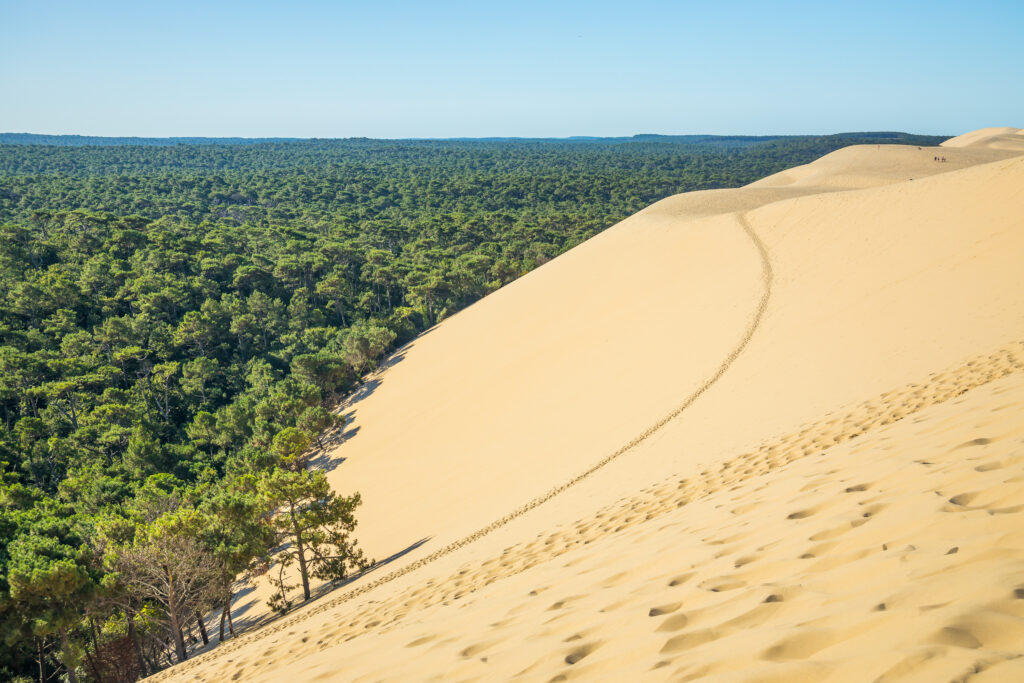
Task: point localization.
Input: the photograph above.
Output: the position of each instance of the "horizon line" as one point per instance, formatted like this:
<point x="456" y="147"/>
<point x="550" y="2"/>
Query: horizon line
<point x="455" y="138"/>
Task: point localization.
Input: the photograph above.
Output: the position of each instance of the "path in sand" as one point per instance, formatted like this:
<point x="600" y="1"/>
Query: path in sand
<point x="722" y="549"/>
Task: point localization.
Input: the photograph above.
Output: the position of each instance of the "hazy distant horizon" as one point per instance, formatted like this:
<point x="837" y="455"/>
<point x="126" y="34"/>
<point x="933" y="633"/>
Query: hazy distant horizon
<point x="581" y="138"/>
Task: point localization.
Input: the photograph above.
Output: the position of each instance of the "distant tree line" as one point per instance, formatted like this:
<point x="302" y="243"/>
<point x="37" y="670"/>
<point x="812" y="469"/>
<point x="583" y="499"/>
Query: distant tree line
<point x="177" y="322"/>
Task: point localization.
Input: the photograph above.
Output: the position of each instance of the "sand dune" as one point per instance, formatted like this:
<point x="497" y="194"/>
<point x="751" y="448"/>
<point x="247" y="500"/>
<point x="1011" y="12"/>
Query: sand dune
<point x="735" y="435"/>
<point x="990" y="138"/>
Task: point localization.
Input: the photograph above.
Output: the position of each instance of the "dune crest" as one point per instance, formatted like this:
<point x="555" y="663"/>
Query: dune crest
<point x="740" y="421"/>
<point x="992" y="138"/>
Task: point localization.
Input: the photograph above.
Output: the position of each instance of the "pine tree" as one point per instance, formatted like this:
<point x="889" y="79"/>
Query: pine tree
<point x="315" y="524"/>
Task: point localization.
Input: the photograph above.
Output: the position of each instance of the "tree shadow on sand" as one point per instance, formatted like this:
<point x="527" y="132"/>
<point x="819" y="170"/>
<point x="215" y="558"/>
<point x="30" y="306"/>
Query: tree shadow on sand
<point x="244" y="622"/>
<point x="324" y="458"/>
<point x="328" y="587"/>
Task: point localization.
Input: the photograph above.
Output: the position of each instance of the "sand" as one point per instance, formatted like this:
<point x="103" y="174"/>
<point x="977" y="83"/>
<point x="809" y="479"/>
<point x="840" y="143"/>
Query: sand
<point x="737" y="435"/>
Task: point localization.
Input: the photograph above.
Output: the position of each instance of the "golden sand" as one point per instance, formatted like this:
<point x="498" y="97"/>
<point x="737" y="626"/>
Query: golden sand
<point x="770" y="433"/>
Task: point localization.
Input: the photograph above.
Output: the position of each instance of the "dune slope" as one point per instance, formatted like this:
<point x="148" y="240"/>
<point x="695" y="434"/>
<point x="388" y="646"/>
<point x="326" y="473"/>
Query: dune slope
<point x="865" y="547"/>
<point x="692" y="393"/>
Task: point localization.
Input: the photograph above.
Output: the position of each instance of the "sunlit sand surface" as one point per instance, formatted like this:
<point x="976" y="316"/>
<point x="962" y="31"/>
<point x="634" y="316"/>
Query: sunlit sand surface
<point x="770" y="433"/>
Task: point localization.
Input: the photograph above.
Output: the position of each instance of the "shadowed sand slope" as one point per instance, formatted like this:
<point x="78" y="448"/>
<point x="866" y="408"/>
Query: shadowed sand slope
<point x="636" y="459"/>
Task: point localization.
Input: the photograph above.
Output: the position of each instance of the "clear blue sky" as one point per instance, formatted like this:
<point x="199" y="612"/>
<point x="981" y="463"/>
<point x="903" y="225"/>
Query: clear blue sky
<point x="439" y="69"/>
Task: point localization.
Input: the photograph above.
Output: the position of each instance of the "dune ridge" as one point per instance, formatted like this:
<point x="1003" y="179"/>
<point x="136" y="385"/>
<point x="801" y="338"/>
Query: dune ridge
<point x="870" y="246"/>
<point x="992" y="138"/>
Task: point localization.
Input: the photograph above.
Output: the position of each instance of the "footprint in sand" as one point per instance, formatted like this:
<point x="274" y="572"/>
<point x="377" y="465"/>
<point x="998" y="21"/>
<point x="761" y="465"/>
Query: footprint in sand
<point x="676" y="622"/>
<point x="420" y="641"/>
<point x="664" y="609"/>
<point x="981" y="441"/>
<point x="745" y="560"/>
<point x="801" y="646"/>
<point x="679" y="580"/>
<point x="721" y="584"/>
<point x="688" y="641"/>
<point x="476" y="649"/>
<point x="581" y="652"/>
<point x="957" y="637"/>
<point x="959" y="502"/>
